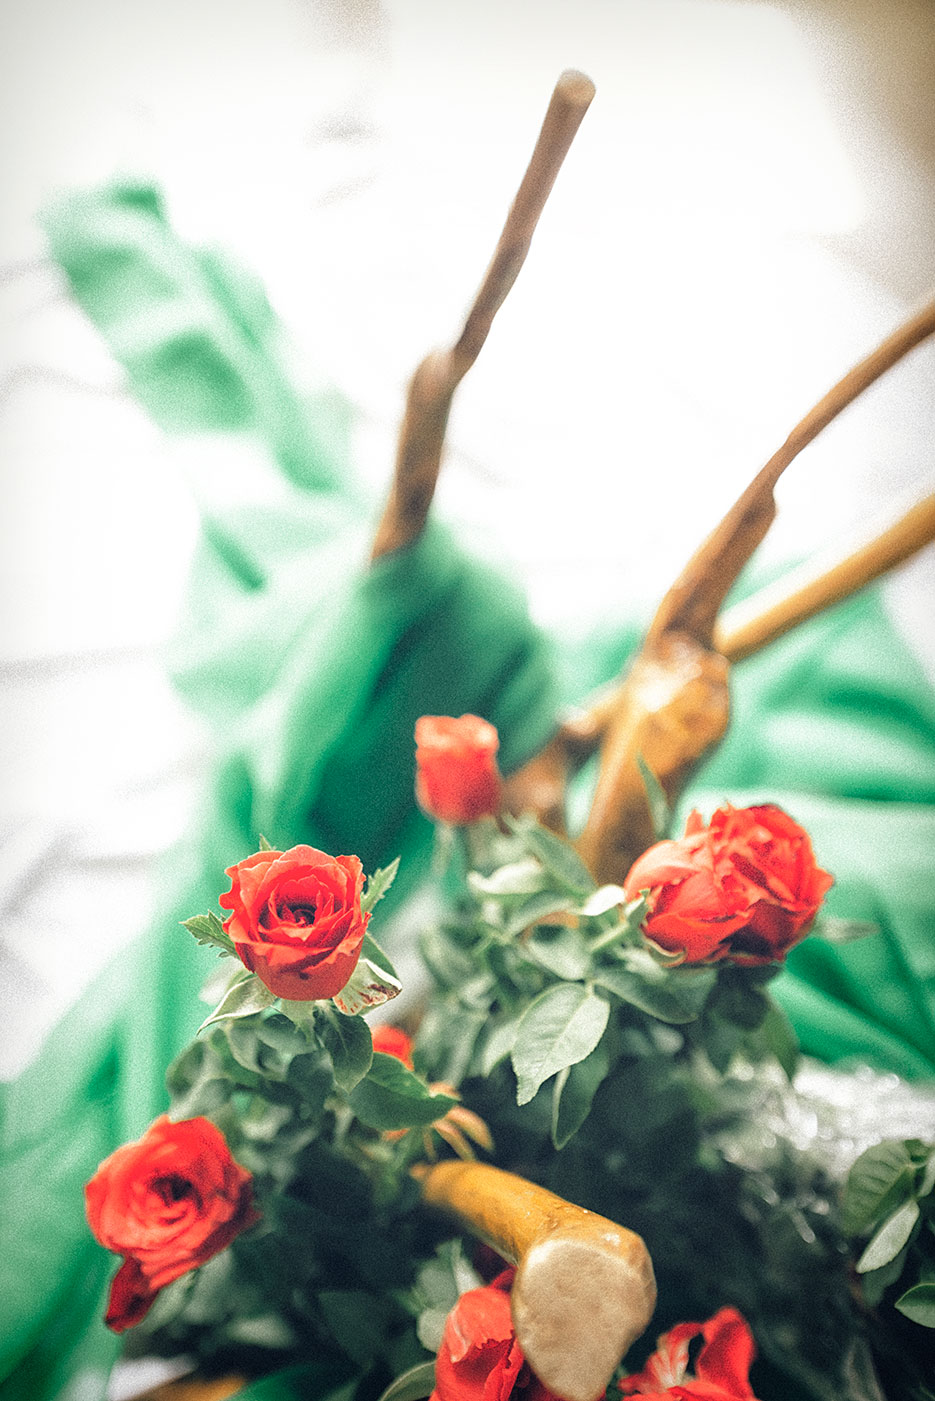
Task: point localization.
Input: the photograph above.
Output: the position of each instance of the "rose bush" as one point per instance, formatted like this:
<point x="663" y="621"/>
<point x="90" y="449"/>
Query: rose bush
<point x="166" y="1203"/>
<point x="745" y="887"/>
<point x="479" y="1358"/>
<point x="457" y="778"/>
<point x="296" y="920"/>
<point x="721" y="1372"/>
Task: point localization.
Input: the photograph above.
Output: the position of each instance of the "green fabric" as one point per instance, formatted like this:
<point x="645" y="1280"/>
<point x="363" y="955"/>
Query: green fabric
<point x="310" y="670"/>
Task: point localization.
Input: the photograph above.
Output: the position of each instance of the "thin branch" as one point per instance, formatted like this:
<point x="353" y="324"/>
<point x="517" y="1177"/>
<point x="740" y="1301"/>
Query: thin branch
<point x="432" y="387"/>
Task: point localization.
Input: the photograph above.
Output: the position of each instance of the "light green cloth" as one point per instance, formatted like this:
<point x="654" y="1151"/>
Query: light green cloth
<point x="311" y="669"/>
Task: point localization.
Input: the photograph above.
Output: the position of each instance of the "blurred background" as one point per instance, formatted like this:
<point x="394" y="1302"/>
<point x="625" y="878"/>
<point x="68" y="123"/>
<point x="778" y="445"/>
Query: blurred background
<point x="748" y="208"/>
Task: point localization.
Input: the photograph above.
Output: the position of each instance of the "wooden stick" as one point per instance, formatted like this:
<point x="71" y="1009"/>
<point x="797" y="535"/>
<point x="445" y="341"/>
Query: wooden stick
<point x="432" y="387"/>
<point x="757" y="621"/>
<point x="584" y="1288"/>
<point x="692" y="604"/>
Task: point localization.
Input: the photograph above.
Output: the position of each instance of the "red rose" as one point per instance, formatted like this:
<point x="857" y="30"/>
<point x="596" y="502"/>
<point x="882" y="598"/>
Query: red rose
<point x="296" y="920"/>
<point x="480" y="1359"/>
<point x="166" y="1204"/>
<point x="392" y="1042"/>
<point x="746" y="887"/>
<point x="721" y="1371"/>
<point x="457" y="779"/>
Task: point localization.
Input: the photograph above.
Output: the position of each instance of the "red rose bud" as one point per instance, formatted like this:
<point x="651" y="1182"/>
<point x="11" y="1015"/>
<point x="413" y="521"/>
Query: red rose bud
<point x="166" y="1203"/>
<point x="721" y="1372"/>
<point x="296" y="920"/>
<point x="457" y="779"/>
<point x="479" y="1358"/>
<point x="391" y="1041"/>
<point x="746" y="887"/>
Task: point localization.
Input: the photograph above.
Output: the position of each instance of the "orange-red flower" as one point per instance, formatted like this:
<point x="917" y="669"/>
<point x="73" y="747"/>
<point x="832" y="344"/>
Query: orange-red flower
<point x="166" y="1203"/>
<point x="746" y="887"/>
<point x="479" y="1358"/>
<point x="393" y="1041"/>
<point x="721" y="1373"/>
<point x="457" y="778"/>
<point x="296" y="920"/>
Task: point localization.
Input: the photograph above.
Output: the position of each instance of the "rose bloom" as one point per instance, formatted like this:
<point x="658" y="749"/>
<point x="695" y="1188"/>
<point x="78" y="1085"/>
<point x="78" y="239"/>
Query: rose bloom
<point x="296" y="920"/>
<point x="721" y="1372"/>
<point x="166" y="1203"/>
<point x="393" y="1041"/>
<point x="479" y="1358"/>
<point x="457" y="779"/>
<point x="746" y="887"/>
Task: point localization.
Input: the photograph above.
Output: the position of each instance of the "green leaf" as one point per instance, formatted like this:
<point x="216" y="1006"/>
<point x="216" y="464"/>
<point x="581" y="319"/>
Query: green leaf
<point x="890" y="1238"/>
<point x="561" y="1027"/>
<point x="414" y="1385"/>
<point x="918" y="1304"/>
<point x="350" y="1045"/>
<point x="560" y="860"/>
<point x="499" y="1044"/>
<point x="575" y="1088"/>
<point x="559" y="950"/>
<point x="372" y="950"/>
<point x="660" y="812"/>
<point x="368" y="986"/>
<point x="604" y="899"/>
<point x="927" y="1181"/>
<point x="842" y="931"/>
<point x="666" y="995"/>
<point x="779" y="1037"/>
<point x="356" y="1321"/>
<point x="391" y="1097"/>
<point x="441" y="1282"/>
<point x="881" y="1177"/>
<point x="526" y="877"/>
<point x="208" y="929"/>
<point x="537" y="907"/>
<point x="245" y="996"/>
<point x="377" y="885"/>
<point x="264" y="844"/>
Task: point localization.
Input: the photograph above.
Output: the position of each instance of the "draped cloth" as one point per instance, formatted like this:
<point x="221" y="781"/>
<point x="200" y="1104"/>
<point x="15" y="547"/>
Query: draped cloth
<point x="310" y="668"/>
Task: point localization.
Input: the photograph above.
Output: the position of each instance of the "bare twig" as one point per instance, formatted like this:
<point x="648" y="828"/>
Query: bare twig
<point x="432" y="387"/>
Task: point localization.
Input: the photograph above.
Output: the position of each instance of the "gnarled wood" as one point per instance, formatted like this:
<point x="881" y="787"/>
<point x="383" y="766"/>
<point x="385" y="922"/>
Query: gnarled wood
<point x="432" y="387"/>
<point x="584" y="1288"/>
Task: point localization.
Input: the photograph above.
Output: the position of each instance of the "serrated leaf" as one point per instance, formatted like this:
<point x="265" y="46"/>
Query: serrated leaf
<point x="392" y="1097"/>
<point x="414" y="1385"/>
<point x="890" y="1238"/>
<point x="264" y="844"/>
<point x="918" y="1304"/>
<point x="561" y="1027"/>
<point x="660" y="811"/>
<point x="880" y="1178"/>
<point x="559" y="950"/>
<point x="372" y="950"/>
<point x="368" y="986"/>
<point x="208" y="929"/>
<point x="377" y="885"/>
<point x="350" y="1045"/>
<point x="640" y="982"/>
<point x="575" y="1088"/>
<point x="560" y="860"/>
<point x="245" y="996"/>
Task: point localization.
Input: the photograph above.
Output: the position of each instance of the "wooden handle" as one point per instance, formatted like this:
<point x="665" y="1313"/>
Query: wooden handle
<point x="584" y="1288"/>
<point x="432" y="387"/>
<point x="692" y="604"/>
<point x="761" y="619"/>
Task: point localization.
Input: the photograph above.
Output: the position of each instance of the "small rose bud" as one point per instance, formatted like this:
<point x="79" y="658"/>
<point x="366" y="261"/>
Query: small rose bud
<point x="457" y="778"/>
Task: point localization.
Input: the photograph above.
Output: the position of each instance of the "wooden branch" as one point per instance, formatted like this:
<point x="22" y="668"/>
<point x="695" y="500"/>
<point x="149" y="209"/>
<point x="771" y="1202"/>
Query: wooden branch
<point x="692" y="604"/>
<point x="432" y="387"/>
<point x="584" y="1288"/>
<point x="822" y="582"/>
